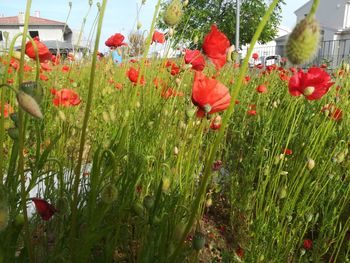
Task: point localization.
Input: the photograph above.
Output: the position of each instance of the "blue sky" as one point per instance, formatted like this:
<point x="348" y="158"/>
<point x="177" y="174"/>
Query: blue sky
<point x="120" y="14"/>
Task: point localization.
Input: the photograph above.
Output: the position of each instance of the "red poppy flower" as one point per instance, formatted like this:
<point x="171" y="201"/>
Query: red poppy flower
<point x="27" y="68"/>
<point x="216" y="123"/>
<point x="115" y="41"/>
<point x="261" y="89"/>
<point x="45" y="66"/>
<point x="43" y="52"/>
<point x="44" y="77"/>
<point x="7" y="110"/>
<point x="287" y="151"/>
<point x="65" y="69"/>
<point x="133" y="75"/>
<point x="307" y="244"/>
<point x="251" y="112"/>
<point x="313" y="84"/>
<point x="158" y="37"/>
<point x="215" y="45"/>
<point x="66" y="97"/>
<point x="118" y="86"/>
<point x="333" y="112"/>
<point x="14" y="63"/>
<point x="55" y="59"/>
<point x="255" y="56"/>
<point x="217" y="165"/>
<point x="209" y="95"/>
<point x="44" y="209"/>
<point x="195" y="58"/>
<point x="240" y="252"/>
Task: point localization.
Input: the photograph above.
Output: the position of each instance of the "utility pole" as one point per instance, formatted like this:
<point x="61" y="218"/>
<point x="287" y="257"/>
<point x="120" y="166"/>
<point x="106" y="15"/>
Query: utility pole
<point x="238" y="11"/>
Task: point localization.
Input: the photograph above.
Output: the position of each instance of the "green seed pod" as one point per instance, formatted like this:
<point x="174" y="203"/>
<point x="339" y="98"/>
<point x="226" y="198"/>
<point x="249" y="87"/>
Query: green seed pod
<point x="148" y="202"/>
<point x="138" y="209"/>
<point x="29" y="104"/>
<point x="13" y="133"/>
<point x="109" y="194"/>
<point x="19" y="220"/>
<point x="303" y="42"/>
<point x="198" y="241"/>
<point x="282" y="192"/>
<point x="173" y="13"/>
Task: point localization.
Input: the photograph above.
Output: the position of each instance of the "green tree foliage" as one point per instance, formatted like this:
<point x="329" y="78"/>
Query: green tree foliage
<point x="199" y="15"/>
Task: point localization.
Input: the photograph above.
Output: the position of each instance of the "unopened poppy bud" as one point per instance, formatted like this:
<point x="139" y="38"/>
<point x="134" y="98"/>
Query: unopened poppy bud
<point x="195" y="40"/>
<point x="16" y="55"/>
<point x="109" y="194"/>
<point x="166" y="184"/>
<point x="19" y="220"/>
<point x="178" y="81"/>
<point x="209" y="202"/>
<point x="173" y="13"/>
<point x="139" y="25"/>
<point x="303" y="41"/>
<point x="283" y="192"/>
<point x="230" y="51"/>
<point x="13" y="133"/>
<point x="176" y="150"/>
<point x="310" y="164"/>
<point x="171" y="32"/>
<point x="29" y="104"/>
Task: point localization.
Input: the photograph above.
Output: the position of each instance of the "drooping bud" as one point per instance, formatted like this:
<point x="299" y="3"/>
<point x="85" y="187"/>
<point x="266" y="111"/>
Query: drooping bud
<point x="166" y="184"/>
<point x="29" y="104"/>
<point x="185" y="3"/>
<point x="173" y="13"/>
<point x="139" y="25"/>
<point x="109" y="194"/>
<point x="303" y="41"/>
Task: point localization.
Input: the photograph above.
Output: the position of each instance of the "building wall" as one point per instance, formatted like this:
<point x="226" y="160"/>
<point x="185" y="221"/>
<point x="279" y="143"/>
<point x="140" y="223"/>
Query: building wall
<point x="45" y="32"/>
<point x="330" y="14"/>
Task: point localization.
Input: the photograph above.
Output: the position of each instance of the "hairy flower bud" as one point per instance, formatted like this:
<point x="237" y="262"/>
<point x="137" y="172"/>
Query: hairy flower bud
<point x="173" y="13"/>
<point x="29" y="104"/>
<point x="303" y="41"/>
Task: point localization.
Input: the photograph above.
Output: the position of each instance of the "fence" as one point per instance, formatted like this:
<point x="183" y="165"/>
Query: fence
<point x="332" y="52"/>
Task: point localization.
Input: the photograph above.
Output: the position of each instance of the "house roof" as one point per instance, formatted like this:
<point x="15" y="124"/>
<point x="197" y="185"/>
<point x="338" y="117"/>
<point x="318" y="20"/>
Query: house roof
<point x="33" y="21"/>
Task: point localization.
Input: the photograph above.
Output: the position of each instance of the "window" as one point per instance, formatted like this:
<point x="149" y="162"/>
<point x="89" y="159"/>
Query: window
<point x="1" y="36"/>
<point x="33" y="34"/>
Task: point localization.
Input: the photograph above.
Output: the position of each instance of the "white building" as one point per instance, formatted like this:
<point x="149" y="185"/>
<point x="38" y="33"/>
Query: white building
<point x="56" y="35"/>
<point x="333" y="16"/>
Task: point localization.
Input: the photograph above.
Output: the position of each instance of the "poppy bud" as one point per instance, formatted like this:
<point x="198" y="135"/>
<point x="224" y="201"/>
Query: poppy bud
<point x="209" y="202"/>
<point x="198" y="241"/>
<point x="230" y="52"/>
<point x="166" y="184"/>
<point x="19" y="220"/>
<point x="190" y="113"/>
<point x="303" y="41"/>
<point x="195" y="40"/>
<point x="33" y="89"/>
<point x="173" y="13"/>
<point x="176" y="150"/>
<point x="109" y="194"/>
<point x="13" y="133"/>
<point x="283" y="192"/>
<point x="171" y="32"/>
<point x="29" y="104"/>
<point x="148" y="202"/>
<point x="139" y="25"/>
<point x="310" y="164"/>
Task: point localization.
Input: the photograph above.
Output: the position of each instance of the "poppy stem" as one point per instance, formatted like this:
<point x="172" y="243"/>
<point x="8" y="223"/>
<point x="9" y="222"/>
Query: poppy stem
<point x="314" y="8"/>
<point x="73" y="231"/>
<point x="227" y="116"/>
<point x="21" y="128"/>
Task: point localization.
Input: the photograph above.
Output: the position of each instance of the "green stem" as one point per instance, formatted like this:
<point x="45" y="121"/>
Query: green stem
<point x="227" y="117"/>
<point x="73" y="231"/>
<point x="314" y="8"/>
<point x="21" y="129"/>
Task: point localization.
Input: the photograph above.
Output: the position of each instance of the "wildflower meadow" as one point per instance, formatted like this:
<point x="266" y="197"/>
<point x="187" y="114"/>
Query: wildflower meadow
<point x="195" y="158"/>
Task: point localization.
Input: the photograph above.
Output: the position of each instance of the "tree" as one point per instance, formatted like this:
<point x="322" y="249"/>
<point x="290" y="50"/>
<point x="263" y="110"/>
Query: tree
<point x="136" y="43"/>
<point x="199" y="15"/>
